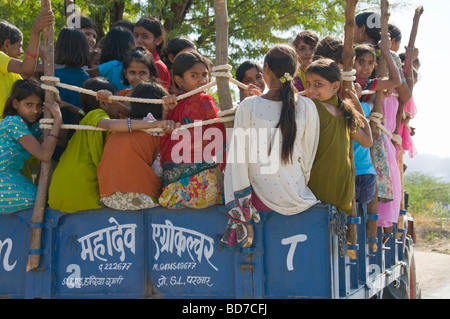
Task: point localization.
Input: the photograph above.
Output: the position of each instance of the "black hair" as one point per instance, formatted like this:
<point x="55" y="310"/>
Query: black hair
<point x="20" y="90"/>
<point x="330" y="71"/>
<point x="309" y="37"/>
<point x="186" y="60"/>
<point x="9" y="32"/>
<point x="148" y="90"/>
<point x="243" y="67"/>
<point x="87" y="23"/>
<point x="89" y="102"/>
<point x="395" y="33"/>
<point x="330" y="47"/>
<point x="72" y="48"/>
<point x="175" y="46"/>
<point x="373" y="29"/>
<point x="281" y="60"/>
<point x="143" y="56"/>
<point x="124" y="24"/>
<point x="155" y="26"/>
<point x="361" y="50"/>
<point x="117" y="43"/>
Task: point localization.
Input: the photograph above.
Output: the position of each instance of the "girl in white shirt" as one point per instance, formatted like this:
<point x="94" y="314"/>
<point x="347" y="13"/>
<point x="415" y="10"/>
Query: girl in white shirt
<point x="271" y="152"/>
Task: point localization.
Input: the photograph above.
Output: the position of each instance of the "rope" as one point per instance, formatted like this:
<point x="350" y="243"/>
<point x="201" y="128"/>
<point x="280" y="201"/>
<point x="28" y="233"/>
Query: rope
<point x="348" y="75"/>
<point x="46" y="124"/>
<point x="376" y="118"/>
<point x="224" y="116"/>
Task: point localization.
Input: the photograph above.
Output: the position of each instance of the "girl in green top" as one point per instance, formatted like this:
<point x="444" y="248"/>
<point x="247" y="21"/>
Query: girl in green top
<point x="332" y="178"/>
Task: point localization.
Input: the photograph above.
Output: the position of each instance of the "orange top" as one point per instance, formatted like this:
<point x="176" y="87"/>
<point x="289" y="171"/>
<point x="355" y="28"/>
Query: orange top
<point x="126" y="164"/>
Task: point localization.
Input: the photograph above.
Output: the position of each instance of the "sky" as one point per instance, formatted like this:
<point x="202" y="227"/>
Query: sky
<point x="432" y="121"/>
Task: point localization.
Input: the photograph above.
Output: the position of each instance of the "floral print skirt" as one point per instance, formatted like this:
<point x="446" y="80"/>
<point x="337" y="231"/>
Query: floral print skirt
<point x="129" y="201"/>
<point x="200" y="190"/>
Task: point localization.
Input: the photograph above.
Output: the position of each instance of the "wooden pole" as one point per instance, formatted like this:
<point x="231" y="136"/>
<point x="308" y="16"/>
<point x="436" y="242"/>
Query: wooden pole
<point x="223" y="87"/>
<point x="41" y="196"/>
<point x="411" y="44"/>
<point x="348" y="59"/>
<point x="372" y="207"/>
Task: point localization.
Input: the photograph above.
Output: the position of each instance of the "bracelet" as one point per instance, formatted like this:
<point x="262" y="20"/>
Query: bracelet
<point x="31" y="56"/>
<point x="129" y="124"/>
<point x="80" y="111"/>
<point x="53" y="135"/>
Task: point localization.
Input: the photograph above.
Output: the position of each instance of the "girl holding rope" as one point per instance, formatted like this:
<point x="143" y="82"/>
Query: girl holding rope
<point x="331" y="175"/>
<point x="192" y="166"/>
<point x="388" y="175"/>
<point x="74" y="184"/>
<point x="11" y="68"/>
<point x="128" y="179"/>
<point x="365" y="64"/>
<point x="20" y="137"/>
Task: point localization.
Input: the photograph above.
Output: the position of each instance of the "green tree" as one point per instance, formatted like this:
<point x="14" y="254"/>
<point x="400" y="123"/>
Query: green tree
<point x="423" y="189"/>
<point x="254" y="25"/>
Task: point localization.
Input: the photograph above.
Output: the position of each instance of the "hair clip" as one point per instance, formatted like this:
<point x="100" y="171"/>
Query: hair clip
<point x="286" y="78"/>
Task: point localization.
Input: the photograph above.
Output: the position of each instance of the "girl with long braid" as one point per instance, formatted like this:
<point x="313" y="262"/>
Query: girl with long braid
<point x="269" y="171"/>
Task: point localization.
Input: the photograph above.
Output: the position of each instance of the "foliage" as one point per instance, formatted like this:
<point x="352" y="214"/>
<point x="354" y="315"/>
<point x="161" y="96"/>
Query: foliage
<point x="423" y="190"/>
<point x="254" y="25"/>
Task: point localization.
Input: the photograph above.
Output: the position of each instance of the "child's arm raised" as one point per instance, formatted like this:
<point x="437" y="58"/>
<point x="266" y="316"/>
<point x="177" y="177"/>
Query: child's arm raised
<point x="363" y="135"/>
<point x="44" y="151"/>
<point x="28" y="65"/>
<point x="411" y="54"/>
<point x="394" y="74"/>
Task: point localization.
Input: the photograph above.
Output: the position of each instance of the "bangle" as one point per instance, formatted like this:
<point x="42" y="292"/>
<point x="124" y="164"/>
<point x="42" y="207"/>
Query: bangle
<point x="53" y="135"/>
<point x="129" y="124"/>
<point x="80" y="111"/>
<point x="31" y="56"/>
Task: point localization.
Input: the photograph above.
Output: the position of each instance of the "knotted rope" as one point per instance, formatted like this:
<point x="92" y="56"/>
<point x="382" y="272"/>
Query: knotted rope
<point x="224" y="116"/>
<point x="217" y="71"/>
<point x="377" y="119"/>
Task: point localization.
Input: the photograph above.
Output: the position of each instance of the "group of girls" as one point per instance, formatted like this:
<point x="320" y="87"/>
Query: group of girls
<point x="315" y="131"/>
<point x="121" y="166"/>
<point x="294" y="112"/>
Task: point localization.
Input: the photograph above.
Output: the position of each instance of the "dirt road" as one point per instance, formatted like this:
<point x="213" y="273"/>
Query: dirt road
<point x="433" y="273"/>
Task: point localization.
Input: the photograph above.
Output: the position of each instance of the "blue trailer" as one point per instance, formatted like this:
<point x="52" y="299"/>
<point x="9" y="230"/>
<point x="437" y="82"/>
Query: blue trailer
<point x="172" y="254"/>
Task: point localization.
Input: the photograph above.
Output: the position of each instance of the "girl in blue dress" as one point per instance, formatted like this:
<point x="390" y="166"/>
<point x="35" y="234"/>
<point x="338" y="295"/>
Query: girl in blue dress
<point x="19" y="137"/>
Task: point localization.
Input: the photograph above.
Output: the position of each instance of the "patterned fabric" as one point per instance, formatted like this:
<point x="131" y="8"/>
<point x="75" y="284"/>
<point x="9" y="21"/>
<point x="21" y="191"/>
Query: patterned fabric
<point x="129" y="201"/>
<point x="196" y="191"/>
<point x="384" y="181"/>
<point x="240" y="212"/>
<point x="16" y="191"/>
<point x="193" y="177"/>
